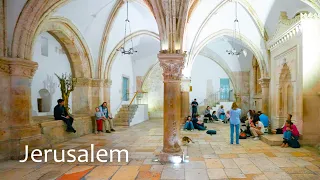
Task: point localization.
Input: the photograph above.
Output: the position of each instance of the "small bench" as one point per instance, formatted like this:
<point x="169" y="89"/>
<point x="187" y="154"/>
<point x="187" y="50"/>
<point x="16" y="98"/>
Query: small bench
<point x="54" y="131"/>
<point x="272" y="139"/>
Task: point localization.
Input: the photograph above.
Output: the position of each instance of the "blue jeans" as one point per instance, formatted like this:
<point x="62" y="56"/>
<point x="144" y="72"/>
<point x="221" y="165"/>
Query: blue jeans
<point x="232" y="126"/>
<point x="287" y="135"/>
<point x="188" y="125"/>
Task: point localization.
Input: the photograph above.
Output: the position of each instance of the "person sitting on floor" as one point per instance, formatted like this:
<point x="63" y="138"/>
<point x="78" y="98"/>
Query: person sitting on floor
<point x="189" y="124"/>
<point x="290" y="133"/>
<point x="227" y="117"/>
<point x="258" y="129"/>
<point x="214" y="116"/>
<point x="221" y="113"/>
<point x="207" y="113"/>
<point x="264" y="119"/>
<point x="198" y="124"/>
<point x="60" y="113"/>
<point x="280" y="130"/>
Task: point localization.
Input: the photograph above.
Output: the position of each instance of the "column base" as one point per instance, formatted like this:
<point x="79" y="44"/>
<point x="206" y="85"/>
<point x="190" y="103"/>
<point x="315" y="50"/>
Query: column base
<point x="171" y="157"/>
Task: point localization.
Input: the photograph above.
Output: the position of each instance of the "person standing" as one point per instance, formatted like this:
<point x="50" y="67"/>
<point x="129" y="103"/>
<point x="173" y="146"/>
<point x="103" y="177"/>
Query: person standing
<point x="60" y="113"/>
<point x="235" y="113"/>
<point x="194" y="106"/>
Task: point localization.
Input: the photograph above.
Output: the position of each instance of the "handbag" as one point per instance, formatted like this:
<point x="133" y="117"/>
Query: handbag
<point x="211" y="132"/>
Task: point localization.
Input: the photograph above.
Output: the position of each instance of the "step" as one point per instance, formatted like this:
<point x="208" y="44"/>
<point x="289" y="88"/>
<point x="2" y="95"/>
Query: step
<point x="272" y="139"/>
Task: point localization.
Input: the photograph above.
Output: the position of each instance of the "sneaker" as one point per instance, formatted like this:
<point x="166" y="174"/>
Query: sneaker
<point x="191" y="130"/>
<point x="256" y="139"/>
<point x="113" y="130"/>
<point x="107" y="131"/>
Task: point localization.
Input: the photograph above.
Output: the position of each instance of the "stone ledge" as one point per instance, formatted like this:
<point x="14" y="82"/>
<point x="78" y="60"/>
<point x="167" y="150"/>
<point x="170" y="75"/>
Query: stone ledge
<point x="272" y="139"/>
<point x="55" y="130"/>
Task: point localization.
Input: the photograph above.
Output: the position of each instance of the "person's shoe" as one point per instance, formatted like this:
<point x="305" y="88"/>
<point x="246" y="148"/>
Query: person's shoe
<point x="107" y="131"/>
<point x="256" y="139"/>
<point x="113" y="130"/>
<point x="205" y="127"/>
<point x="191" y="130"/>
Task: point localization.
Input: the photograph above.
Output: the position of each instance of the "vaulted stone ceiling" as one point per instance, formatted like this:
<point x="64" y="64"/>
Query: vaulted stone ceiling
<point x="183" y="25"/>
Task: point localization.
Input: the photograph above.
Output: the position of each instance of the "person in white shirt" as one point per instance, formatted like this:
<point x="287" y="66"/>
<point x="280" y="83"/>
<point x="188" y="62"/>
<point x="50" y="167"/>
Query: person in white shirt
<point x="257" y="127"/>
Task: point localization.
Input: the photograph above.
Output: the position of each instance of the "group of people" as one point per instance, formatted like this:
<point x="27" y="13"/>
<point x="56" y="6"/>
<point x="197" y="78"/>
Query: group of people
<point x="102" y="117"/>
<point x="255" y="122"/>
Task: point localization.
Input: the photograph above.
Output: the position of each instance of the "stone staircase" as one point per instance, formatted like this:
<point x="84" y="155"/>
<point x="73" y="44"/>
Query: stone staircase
<point x="125" y="115"/>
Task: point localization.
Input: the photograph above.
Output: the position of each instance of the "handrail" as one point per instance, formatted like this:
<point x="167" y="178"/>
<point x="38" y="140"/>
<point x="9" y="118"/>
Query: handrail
<point x="121" y="103"/>
<point x="135" y="95"/>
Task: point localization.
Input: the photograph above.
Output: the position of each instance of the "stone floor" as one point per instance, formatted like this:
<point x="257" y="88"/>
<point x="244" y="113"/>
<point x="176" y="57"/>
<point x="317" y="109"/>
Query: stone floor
<point x="211" y="157"/>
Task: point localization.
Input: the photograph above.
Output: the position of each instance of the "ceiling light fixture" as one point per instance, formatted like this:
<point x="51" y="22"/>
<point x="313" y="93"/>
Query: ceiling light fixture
<point x="236" y="33"/>
<point x="123" y="49"/>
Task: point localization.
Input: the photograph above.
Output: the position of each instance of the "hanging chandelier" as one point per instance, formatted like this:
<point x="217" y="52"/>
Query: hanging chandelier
<point x="123" y="49"/>
<point x="236" y="33"/>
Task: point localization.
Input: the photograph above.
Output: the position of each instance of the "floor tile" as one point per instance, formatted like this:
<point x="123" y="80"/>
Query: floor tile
<point x="102" y="172"/>
<point x="126" y="172"/>
<point x="173" y="174"/>
<point x="196" y="174"/>
<point x="216" y="174"/>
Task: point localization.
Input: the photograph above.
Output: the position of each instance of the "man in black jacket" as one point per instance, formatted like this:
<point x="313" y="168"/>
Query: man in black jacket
<point x="60" y="113"/>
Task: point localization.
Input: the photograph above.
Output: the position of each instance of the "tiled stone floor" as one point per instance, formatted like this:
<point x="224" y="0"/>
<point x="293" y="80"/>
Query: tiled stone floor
<point x="211" y="157"/>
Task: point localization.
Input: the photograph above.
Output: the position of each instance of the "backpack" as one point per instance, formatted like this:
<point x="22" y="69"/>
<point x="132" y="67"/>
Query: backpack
<point x="242" y="135"/>
<point x="294" y="143"/>
<point x="211" y="132"/>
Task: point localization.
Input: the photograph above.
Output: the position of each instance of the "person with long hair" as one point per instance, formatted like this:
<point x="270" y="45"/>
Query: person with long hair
<point x="257" y="127"/>
<point x="235" y="113"/>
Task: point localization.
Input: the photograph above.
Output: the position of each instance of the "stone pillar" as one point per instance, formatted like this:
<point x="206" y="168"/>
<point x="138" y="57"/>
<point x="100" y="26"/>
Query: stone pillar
<point x="20" y="128"/>
<point x="172" y="65"/>
<point x="185" y="102"/>
<point x="310" y="65"/>
<point x="106" y="93"/>
<point x="96" y="92"/>
<point x="81" y="97"/>
<point x="264" y="82"/>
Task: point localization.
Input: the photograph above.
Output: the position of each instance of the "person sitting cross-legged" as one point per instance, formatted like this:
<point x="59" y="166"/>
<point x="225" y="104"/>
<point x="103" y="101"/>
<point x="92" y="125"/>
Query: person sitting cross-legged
<point x="214" y="116"/>
<point x="189" y="125"/>
<point x="257" y="127"/>
<point x="198" y="124"/>
<point x="60" y="113"/>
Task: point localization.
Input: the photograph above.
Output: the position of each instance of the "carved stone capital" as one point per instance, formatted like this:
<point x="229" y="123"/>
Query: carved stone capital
<point x="264" y="82"/>
<point x="172" y="65"/>
<point x="107" y="83"/>
<point x="83" y="82"/>
<point x="18" y="67"/>
<point x="97" y="83"/>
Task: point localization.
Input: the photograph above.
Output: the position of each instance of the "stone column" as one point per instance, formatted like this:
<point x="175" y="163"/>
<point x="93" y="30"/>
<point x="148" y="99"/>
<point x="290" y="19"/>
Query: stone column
<point x="264" y="82"/>
<point x="185" y="102"/>
<point x="20" y="127"/>
<point x="172" y="65"/>
<point x="106" y="93"/>
<point x="310" y="65"/>
<point x="96" y="92"/>
<point x="81" y="97"/>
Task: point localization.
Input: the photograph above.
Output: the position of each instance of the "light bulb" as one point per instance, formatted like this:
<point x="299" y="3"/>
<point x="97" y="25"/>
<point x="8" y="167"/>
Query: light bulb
<point x="245" y="53"/>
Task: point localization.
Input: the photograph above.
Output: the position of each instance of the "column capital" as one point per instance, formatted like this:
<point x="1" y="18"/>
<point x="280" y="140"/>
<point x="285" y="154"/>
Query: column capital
<point x="264" y="82"/>
<point x="97" y="82"/>
<point x="18" y="67"/>
<point x="172" y="65"/>
<point x="107" y="83"/>
<point x="83" y="82"/>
